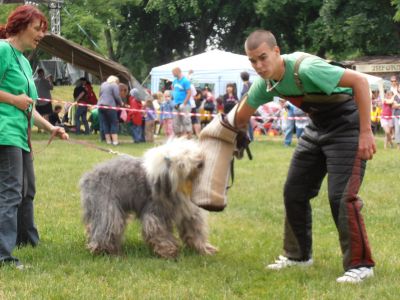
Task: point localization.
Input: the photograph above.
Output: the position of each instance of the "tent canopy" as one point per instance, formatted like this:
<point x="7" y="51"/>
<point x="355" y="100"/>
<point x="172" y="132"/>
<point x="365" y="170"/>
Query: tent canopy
<point x="219" y="68"/>
<point x="214" y="67"/>
<point x="86" y="59"/>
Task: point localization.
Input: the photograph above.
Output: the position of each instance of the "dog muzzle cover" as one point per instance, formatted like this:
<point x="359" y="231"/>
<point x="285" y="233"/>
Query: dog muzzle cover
<point x="219" y="142"/>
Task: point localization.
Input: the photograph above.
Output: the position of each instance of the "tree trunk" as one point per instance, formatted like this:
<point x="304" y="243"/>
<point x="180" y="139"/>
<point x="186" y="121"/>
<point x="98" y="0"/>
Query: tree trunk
<point x="110" y="49"/>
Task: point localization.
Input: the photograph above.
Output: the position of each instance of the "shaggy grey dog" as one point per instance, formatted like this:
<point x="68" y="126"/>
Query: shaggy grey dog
<point x="157" y="188"/>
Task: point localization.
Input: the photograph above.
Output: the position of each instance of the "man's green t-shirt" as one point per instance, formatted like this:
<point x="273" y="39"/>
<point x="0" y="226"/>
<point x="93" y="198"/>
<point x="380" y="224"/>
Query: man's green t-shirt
<point x="13" y="80"/>
<point x="316" y="75"/>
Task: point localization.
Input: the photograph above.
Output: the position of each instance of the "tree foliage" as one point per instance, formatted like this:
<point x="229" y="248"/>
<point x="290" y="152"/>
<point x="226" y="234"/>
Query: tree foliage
<point x="144" y="33"/>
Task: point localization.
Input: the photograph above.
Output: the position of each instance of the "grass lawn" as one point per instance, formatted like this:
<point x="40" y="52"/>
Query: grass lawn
<point x="248" y="234"/>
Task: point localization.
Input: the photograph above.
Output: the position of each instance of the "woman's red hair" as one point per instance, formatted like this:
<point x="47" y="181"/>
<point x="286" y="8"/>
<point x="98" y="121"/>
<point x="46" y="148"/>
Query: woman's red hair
<point x="20" y="18"/>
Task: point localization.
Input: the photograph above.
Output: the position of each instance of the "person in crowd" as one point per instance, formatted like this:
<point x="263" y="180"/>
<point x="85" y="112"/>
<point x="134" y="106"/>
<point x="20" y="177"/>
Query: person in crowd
<point x="396" y="119"/>
<point x="208" y="105"/>
<point x="124" y="93"/>
<point x="26" y="26"/>
<point x="245" y="76"/>
<point x="387" y="118"/>
<point x="158" y="98"/>
<point x="196" y="127"/>
<point x="94" y="121"/>
<point x="91" y="95"/>
<point x="81" y="96"/>
<point x="375" y="117"/>
<point x="166" y="116"/>
<point x="337" y="142"/>
<point x="230" y="98"/>
<point x="123" y="114"/>
<point x="109" y="96"/>
<point x="376" y="110"/>
<point x="135" y="116"/>
<point x="219" y="107"/>
<point x="394" y="85"/>
<point x="150" y="119"/>
<point x="182" y="123"/>
<point x="44" y="85"/>
<point x="287" y="121"/>
<point x="296" y="120"/>
<point x="54" y="117"/>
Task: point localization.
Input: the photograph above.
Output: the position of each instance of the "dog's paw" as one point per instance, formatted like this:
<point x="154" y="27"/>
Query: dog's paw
<point x="167" y="253"/>
<point x="95" y="249"/>
<point x="209" y="249"/>
<point x="166" y="249"/>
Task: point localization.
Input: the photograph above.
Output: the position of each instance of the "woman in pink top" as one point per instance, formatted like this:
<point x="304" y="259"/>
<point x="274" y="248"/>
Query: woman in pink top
<point x="387" y="118"/>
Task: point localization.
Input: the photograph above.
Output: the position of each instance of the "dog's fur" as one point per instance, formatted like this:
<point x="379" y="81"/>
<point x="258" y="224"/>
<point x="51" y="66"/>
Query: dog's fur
<point x="157" y="188"/>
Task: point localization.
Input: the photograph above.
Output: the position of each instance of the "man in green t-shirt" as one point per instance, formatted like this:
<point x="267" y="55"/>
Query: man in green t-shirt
<point x="337" y="142"/>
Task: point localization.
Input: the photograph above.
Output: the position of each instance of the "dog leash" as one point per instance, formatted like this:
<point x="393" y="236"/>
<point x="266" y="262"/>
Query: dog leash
<point x="79" y="142"/>
<point x="93" y="146"/>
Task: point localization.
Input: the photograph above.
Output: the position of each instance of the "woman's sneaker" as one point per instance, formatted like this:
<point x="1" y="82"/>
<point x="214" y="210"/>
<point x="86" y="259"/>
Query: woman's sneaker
<point x="284" y="262"/>
<point x="356" y="275"/>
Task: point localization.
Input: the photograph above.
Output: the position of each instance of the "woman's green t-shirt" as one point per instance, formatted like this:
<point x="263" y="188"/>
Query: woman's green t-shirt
<point x="15" y="78"/>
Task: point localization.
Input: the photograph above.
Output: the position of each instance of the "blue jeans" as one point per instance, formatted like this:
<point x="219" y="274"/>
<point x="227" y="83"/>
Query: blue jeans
<point x="289" y="132"/>
<point x="17" y="190"/>
<point x="108" y="121"/>
<point x="137" y="133"/>
<point x="81" y="113"/>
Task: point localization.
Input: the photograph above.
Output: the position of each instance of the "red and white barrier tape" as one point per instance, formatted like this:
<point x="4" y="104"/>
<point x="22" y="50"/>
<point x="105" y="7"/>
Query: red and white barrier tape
<point x="184" y="113"/>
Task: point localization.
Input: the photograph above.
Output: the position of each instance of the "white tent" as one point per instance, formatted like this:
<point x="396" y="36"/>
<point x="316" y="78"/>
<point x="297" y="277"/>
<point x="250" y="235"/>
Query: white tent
<point x="376" y="82"/>
<point x="214" y="67"/>
<point x="219" y="68"/>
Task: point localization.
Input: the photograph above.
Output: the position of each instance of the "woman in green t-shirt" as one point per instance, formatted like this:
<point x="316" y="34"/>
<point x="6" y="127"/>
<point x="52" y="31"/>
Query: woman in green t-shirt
<point x="25" y="28"/>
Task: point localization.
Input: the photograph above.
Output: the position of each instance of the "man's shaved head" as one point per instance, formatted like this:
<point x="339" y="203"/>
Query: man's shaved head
<point x="256" y="38"/>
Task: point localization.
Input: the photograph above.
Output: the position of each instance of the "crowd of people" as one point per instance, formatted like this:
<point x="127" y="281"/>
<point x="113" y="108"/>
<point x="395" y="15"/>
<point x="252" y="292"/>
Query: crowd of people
<point x="184" y="108"/>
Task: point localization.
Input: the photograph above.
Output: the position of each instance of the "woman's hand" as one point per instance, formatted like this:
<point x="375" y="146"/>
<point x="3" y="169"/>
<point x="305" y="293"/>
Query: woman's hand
<point x="60" y="132"/>
<point x="22" y="102"/>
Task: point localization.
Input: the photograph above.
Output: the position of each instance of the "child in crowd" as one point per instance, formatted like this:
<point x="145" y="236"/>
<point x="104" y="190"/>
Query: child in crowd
<point x="150" y="118"/>
<point x="166" y="116"/>
<point x="94" y="120"/>
<point x="135" y="116"/>
<point x="54" y="117"/>
<point x="387" y="118"/>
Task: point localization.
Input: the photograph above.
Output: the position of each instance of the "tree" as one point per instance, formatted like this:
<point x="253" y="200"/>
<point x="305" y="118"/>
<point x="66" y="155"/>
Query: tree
<point x="353" y="28"/>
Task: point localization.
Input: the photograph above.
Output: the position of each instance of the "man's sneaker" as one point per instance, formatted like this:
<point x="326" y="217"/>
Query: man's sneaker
<point x="284" y="262"/>
<point x="356" y="275"/>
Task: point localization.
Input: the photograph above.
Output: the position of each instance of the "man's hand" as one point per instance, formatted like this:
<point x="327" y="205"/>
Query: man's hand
<point x="22" y="102"/>
<point x="366" y="145"/>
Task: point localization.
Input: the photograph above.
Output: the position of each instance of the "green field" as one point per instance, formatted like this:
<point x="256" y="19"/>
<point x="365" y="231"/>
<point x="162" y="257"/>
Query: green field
<point x="248" y="234"/>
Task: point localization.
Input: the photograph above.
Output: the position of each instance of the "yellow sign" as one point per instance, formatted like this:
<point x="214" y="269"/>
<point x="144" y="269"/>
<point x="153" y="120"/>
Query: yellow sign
<point x="381" y="68"/>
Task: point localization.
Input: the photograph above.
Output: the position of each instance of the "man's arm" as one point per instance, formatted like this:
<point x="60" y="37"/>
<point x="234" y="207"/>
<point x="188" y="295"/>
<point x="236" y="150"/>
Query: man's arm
<point x="360" y="86"/>
<point x="188" y="94"/>
<point x="243" y="114"/>
<point x="80" y="96"/>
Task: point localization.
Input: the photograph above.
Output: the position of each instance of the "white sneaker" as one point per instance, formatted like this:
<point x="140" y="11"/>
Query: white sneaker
<point x="284" y="262"/>
<point x="356" y="275"/>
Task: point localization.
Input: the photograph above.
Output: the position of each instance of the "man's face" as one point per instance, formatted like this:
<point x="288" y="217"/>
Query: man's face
<point x="176" y="73"/>
<point x="265" y="60"/>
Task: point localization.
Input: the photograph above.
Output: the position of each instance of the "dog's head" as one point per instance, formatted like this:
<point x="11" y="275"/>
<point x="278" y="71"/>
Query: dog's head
<point x="174" y="164"/>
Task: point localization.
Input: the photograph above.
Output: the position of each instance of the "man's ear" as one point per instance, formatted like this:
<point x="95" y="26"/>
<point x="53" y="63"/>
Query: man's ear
<point x="277" y="50"/>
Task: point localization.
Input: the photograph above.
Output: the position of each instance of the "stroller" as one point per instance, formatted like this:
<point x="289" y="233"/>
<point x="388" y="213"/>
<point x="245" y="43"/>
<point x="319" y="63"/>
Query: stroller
<point x="267" y="119"/>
